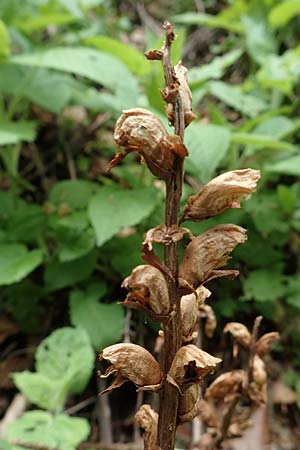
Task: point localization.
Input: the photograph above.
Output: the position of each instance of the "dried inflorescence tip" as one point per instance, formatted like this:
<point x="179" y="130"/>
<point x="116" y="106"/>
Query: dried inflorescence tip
<point x="208" y="252"/>
<point x="147" y="419"/>
<point x="239" y="332"/>
<point x="140" y="130"/>
<point x="131" y="362"/>
<point x="221" y="193"/>
<point x="264" y="344"/>
<point x="148" y="290"/>
<point x="257" y="389"/>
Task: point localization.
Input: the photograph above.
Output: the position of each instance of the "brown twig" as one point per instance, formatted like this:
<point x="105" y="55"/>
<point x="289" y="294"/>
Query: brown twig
<point x="15" y="410"/>
<point x="172" y="329"/>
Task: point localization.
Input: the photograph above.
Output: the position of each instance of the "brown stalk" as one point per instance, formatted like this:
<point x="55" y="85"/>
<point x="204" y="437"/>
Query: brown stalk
<point x="172" y="327"/>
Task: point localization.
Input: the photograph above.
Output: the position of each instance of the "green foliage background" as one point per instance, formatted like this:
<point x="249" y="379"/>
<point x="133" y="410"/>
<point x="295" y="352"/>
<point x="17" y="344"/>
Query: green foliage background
<point x="69" y="233"/>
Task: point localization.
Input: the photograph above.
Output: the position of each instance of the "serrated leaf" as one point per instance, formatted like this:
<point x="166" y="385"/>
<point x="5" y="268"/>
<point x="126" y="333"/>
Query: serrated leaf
<point x="293" y="291"/>
<point x="16" y="262"/>
<point x="264" y="286"/>
<point x="74" y="193"/>
<point x="66" y="354"/>
<point x="112" y="209"/>
<point x="42" y="428"/>
<point x="207" y="145"/>
<point x="13" y="132"/>
<point x="102" y="322"/>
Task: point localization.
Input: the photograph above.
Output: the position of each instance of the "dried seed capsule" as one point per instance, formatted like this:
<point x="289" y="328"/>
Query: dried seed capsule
<point x="191" y="364"/>
<point x="148" y="288"/>
<point x="140" y="130"/>
<point x="223" y="192"/>
<point x="226" y="385"/>
<point x="208" y="252"/>
<point x="189" y="305"/>
<point x="147" y="419"/>
<point x="239" y="332"/>
<point x="131" y="362"/>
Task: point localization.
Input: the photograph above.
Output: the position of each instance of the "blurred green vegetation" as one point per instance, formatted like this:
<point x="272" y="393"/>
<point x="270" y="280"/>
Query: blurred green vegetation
<point x="69" y="233"/>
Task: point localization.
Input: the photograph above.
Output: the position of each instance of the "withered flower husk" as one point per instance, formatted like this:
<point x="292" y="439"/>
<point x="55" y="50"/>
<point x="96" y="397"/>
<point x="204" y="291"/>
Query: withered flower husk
<point x="187" y="408"/>
<point x="239" y="332"/>
<point x="189" y="306"/>
<point x="257" y="389"/>
<point x="165" y="235"/>
<point x="181" y="75"/>
<point x="131" y="362"/>
<point x="140" y="130"/>
<point x="264" y="344"/>
<point x="148" y="289"/>
<point x="210" y="325"/>
<point x="191" y="364"/>
<point x="227" y="385"/>
<point x="147" y="419"/>
<point x="207" y="252"/>
<point x="221" y="193"/>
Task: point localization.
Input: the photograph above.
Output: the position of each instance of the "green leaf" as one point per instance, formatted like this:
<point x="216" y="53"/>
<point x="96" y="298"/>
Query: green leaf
<point x="13" y="132"/>
<point x="293" y="291"/>
<point x="4" y="445"/>
<point x="213" y="70"/>
<point x="191" y="18"/>
<point x="116" y="250"/>
<point x="289" y="166"/>
<point x="16" y="262"/>
<point x="261" y="141"/>
<point x="283" y="12"/>
<point x="207" y="145"/>
<point x="287" y="198"/>
<point x="266" y="214"/>
<point x="39" y="389"/>
<point x="36" y="22"/>
<point x="264" y="285"/>
<point x="102" y="322"/>
<point x="66" y="354"/>
<point x="133" y="59"/>
<point x="59" y="275"/>
<point x="277" y="127"/>
<point x="74" y="193"/>
<point x="90" y="63"/>
<point x="112" y="209"/>
<point x="236" y="98"/>
<point x="42" y="428"/>
<point x="4" y="40"/>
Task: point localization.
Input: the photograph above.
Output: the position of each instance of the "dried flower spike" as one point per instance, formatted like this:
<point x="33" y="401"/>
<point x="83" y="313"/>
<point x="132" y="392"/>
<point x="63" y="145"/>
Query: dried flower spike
<point x="148" y="289"/>
<point x="263" y="345"/>
<point x="131" y="362"/>
<point x="140" y="130"/>
<point x="239" y="332"/>
<point x="208" y="252"/>
<point x="221" y="193"/>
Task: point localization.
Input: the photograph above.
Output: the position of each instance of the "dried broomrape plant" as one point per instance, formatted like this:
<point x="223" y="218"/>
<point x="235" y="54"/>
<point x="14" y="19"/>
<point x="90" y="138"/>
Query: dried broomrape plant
<point x="130" y="362"/>
<point x="221" y="193"/>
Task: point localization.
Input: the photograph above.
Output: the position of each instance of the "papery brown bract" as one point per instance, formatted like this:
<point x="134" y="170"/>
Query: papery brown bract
<point x="147" y="419"/>
<point x="191" y="364"/>
<point x="210" y="325"/>
<point x="239" y="332"/>
<point x="257" y="389"/>
<point x="140" y="130"/>
<point x="165" y="235"/>
<point x="263" y="345"/>
<point x="148" y="288"/>
<point x="221" y="193"/>
<point x="227" y="385"/>
<point x="131" y="362"/>
<point x="187" y="408"/>
<point x="189" y="306"/>
<point x="208" y="252"/>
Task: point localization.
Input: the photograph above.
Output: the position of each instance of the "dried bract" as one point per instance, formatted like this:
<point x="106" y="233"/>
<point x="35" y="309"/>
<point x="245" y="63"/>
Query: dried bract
<point x="210" y="325"/>
<point x="226" y="385"/>
<point x="257" y="389"/>
<point x="148" y="288"/>
<point x="239" y="332"/>
<point x="223" y="192"/>
<point x="189" y="306"/>
<point x="187" y="408"/>
<point x="131" y="362"/>
<point x="165" y="235"/>
<point x="208" y="252"/>
<point x="140" y="130"/>
<point x="147" y="419"/>
<point x="263" y="345"/>
<point x="191" y="364"/>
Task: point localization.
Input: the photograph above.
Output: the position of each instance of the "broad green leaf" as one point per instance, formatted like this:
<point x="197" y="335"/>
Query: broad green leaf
<point x="102" y="322"/>
<point x="207" y="145"/>
<point x="266" y="214"/>
<point x="13" y="132"/>
<point x="261" y="141"/>
<point x="90" y="63"/>
<point x="41" y="390"/>
<point x="283" y="12"/>
<point x="74" y="193"/>
<point x="112" y="209"/>
<point x="29" y="24"/>
<point x="287" y="198"/>
<point x="264" y="285"/>
<point x="288" y="166"/>
<point x="277" y="127"/>
<point x="132" y="58"/>
<point x="116" y="250"/>
<point x="16" y="262"/>
<point x="191" y="18"/>
<point x="4" y="445"/>
<point x="42" y="428"/>
<point x="292" y="296"/>
<point x="236" y="98"/>
<point x="4" y="40"/>
<point x="66" y="354"/>
<point x="59" y="275"/>
<point x="213" y="70"/>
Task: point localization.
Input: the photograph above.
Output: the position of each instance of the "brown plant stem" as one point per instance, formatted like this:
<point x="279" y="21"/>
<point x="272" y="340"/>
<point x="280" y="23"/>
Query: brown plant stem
<point x="172" y="326"/>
